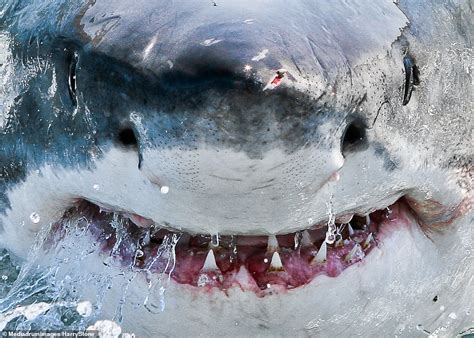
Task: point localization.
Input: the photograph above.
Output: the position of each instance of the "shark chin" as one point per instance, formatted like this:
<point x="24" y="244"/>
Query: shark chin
<point x="236" y="168"/>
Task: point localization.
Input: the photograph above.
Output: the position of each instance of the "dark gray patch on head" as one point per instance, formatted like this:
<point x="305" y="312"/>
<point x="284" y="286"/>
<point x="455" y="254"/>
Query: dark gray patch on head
<point x="203" y="99"/>
<point x="390" y="163"/>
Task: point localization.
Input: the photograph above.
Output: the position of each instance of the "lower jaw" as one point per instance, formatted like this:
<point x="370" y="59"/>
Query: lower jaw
<point x="252" y="263"/>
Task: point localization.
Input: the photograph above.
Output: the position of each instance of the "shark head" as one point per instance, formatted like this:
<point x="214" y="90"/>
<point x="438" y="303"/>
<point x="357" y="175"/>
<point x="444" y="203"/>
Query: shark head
<point x="276" y="168"/>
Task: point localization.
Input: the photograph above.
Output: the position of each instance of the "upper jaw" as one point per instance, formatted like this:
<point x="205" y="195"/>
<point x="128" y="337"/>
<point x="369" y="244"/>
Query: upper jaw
<point x="51" y="191"/>
<point x="317" y="222"/>
<point x="430" y="215"/>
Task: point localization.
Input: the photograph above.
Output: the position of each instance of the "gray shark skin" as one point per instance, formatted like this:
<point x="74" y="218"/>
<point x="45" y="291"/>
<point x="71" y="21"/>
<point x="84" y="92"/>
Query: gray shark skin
<point x="251" y="118"/>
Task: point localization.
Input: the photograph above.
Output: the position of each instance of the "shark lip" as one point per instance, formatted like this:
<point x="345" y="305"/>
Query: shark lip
<point x="255" y="263"/>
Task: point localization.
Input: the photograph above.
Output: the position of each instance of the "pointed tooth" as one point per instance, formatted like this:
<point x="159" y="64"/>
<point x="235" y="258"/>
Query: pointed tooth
<point x="368" y="240"/>
<point x="210" y="262"/>
<point x="351" y="230"/>
<point x="272" y="244"/>
<point x="321" y="256"/>
<point x="367" y="219"/>
<point x="355" y="253"/>
<point x="276" y="264"/>
<point x="306" y="239"/>
<point x="297" y="239"/>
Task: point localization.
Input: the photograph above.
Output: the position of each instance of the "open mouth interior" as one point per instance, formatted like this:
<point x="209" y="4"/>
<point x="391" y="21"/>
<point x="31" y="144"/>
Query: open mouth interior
<point x="221" y="261"/>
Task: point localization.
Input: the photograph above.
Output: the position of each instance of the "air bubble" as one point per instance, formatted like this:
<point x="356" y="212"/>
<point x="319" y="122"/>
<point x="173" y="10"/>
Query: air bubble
<point x="164" y="189"/>
<point x="4" y="277"/>
<point x="139" y="253"/>
<point x="96" y="187"/>
<point x="35" y="218"/>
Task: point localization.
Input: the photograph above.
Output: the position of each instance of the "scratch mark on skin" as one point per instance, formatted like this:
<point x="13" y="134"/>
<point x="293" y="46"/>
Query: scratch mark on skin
<point x="108" y="25"/>
<point x="291" y="54"/>
<point x="261" y="55"/>
<point x="227" y="178"/>
<point x="210" y="42"/>
<point x="378" y="112"/>
<point x="277" y="166"/>
<point x="262" y="187"/>
<point x="317" y="60"/>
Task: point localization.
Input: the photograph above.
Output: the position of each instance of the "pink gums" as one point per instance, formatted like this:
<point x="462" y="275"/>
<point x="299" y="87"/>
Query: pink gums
<point x="242" y="261"/>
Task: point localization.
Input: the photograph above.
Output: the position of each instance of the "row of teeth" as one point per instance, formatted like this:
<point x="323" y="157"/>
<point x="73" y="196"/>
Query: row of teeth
<point x="304" y="240"/>
<point x="276" y="263"/>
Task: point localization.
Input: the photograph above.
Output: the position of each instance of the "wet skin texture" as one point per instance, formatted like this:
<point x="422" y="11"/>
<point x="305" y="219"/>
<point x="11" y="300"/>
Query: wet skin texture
<point x="182" y="92"/>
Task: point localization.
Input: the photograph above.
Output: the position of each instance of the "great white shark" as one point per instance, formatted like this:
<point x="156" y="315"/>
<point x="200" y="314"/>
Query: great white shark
<point x="245" y="167"/>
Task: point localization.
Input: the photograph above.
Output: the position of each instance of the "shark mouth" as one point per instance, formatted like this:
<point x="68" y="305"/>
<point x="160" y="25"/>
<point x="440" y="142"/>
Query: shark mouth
<point x="255" y="263"/>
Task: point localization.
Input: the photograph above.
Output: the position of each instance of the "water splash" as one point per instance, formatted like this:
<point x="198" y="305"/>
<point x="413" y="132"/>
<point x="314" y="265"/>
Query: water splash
<point x="159" y="274"/>
<point x="331" y="224"/>
<point x="53" y="275"/>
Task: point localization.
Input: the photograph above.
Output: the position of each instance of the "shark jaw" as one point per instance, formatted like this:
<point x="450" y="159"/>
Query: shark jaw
<point x="260" y="263"/>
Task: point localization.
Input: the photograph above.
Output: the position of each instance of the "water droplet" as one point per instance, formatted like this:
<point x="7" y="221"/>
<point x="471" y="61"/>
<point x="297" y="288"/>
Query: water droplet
<point x="139" y="253"/>
<point x="165" y="189"/>
<point x="35" y="218"/>
<point x="330" y="238"/>
<point x="215" y="240"/>
<point x="84" y="309"/>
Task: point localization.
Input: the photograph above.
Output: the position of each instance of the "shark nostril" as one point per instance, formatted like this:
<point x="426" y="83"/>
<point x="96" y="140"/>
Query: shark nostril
<point x="354" y="138"/>
<point x="127" y="138"/>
